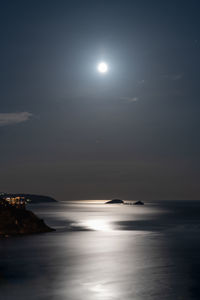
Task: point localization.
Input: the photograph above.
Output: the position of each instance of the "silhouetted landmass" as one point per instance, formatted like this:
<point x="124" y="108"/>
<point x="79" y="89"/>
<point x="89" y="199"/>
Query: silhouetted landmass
<point x="15" y="221"/>
<point x="31" y="198"/>
<point x="115" y="201"/>
<point x="139" y="203"/>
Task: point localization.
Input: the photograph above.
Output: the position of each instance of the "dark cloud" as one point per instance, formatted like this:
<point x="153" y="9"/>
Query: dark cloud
<point x="129" y="99"/>
<point x="14" y="118"/>
<point x="174" y="77"/>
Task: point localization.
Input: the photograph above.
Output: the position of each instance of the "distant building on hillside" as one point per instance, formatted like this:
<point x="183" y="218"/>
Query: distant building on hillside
<point x="17" y="202"/>
<point x="3" y="203"/>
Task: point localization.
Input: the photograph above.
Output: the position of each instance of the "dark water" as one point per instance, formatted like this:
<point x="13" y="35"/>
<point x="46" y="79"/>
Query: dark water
<point x="106" y="252"/>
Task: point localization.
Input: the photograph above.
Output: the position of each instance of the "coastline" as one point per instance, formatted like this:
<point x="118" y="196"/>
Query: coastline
<point x="15" y="222"/>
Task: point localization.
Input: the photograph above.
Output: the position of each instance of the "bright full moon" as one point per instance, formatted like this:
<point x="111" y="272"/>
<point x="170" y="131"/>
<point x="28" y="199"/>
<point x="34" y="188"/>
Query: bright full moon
<point x="102" y="67"/>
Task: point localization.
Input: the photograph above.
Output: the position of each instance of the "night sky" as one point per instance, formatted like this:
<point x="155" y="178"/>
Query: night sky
<point x="70" y="132"/>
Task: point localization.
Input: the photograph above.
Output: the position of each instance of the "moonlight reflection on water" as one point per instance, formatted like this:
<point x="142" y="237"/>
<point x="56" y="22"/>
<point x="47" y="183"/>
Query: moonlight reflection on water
<point x="98" y="224"/>
<point x="110" y="253"/>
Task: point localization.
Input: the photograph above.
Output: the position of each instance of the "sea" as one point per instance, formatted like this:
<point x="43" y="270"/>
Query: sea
<point x="107" y="252"/>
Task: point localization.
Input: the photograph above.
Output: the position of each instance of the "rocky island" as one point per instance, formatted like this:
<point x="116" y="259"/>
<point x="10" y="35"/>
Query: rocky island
<point x="139" y="203"/>
<point x="119" y="201"/>
<point x="115" y="201"/>
<point x="16" y="220"/>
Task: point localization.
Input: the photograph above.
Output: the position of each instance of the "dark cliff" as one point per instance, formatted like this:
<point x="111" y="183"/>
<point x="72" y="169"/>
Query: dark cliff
<point x="15" y="221"/>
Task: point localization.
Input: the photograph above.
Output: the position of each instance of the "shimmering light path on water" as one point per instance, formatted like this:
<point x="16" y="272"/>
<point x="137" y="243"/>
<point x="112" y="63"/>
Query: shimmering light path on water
<point x="106" y="252"/>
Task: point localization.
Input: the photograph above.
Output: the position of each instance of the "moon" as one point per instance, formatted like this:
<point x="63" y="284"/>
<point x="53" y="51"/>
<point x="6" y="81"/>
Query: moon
<point x="102" y="67"/>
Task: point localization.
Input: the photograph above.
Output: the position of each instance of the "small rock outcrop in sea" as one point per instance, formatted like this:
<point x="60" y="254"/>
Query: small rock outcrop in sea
<point x="115" y="201"/>
<point x="139" y="203"/>
<point x="14" y="221"/>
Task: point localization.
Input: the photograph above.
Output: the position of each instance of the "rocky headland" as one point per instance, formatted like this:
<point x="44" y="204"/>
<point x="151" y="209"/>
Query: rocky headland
<point x="15" y="221"/>
<point x="30" y="198"/>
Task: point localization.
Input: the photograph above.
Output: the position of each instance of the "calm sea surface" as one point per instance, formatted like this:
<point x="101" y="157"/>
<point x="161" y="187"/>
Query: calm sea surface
<point x="106" y="252"/>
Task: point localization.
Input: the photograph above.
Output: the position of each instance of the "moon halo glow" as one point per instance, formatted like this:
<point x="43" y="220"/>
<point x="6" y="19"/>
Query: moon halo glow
<point x="102" y="67"/>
